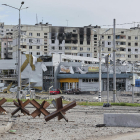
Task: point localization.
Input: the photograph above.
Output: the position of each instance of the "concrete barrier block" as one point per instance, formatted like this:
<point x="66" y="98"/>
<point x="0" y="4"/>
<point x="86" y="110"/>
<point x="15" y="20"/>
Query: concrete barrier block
<point x="122" y="119"/>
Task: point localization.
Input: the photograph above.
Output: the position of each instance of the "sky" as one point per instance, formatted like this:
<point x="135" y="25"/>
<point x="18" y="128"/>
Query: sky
<point x="79" y="13"/>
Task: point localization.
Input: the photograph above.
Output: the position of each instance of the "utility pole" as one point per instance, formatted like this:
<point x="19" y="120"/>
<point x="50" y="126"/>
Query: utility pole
<point x="19" y="50"/>
<point x="107" y="62"/>
<point x="133" y="83"/>
<point x="100" y="57"/>
<point x="100" y="80"/>
<point x="114" y="63"/>
<point x="108" y="80"/>
<point x="19" y="61"/>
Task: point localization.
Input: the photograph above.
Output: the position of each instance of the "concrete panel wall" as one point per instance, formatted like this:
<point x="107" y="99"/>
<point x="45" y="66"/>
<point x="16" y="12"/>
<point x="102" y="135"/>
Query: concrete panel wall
<point x="122" y="120"/>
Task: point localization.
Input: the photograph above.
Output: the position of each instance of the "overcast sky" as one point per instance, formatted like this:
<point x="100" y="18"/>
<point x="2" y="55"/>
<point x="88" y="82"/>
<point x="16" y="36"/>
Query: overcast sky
<point x="77" y="12"/>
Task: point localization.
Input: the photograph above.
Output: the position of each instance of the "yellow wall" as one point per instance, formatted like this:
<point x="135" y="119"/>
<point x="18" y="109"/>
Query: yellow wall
<point x="69" y="80"/>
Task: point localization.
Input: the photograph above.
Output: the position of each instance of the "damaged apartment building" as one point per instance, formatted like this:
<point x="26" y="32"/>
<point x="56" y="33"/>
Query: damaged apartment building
<point x="42" y="39"/>
<point x="75" y="46"/>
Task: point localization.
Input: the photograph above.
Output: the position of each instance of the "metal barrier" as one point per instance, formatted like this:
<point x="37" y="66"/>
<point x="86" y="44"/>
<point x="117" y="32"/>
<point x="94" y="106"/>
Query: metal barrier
<point x="41" y="108"/>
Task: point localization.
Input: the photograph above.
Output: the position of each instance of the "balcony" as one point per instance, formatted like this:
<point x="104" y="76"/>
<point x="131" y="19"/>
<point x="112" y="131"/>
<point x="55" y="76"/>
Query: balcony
<point x="121" y="37"/>
<point x="121" y="52"/>
<point x="71" y="44"/>
<point x="122" y="46"/>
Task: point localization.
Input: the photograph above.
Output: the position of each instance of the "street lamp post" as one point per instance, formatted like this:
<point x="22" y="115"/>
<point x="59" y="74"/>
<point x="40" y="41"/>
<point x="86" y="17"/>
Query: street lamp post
<point x="100" y="52"/>
<point x="19" y="50"/>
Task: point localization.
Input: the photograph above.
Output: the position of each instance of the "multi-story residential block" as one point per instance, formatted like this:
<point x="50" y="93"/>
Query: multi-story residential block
<point x="43" y="39"/>
<point x="4" y="29"/>
<point x="6" y="47"/>
<point x="6" y="32"/>
<point x="85" y="42"/>
<point x="34" y="39"/>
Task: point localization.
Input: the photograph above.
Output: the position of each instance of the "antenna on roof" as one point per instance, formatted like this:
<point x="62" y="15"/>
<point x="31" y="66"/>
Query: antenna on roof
<point x="36" y="19"/>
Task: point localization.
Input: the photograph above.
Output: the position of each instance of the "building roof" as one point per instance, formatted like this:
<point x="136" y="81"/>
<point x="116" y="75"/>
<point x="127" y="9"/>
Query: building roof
<point x="84" y="76"/>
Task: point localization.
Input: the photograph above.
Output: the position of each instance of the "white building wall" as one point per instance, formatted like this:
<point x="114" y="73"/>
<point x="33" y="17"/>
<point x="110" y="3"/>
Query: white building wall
<point x="88" y="86"/>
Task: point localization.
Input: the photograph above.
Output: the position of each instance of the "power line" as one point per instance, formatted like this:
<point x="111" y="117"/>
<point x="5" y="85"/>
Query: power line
<point x="120" y="24"/>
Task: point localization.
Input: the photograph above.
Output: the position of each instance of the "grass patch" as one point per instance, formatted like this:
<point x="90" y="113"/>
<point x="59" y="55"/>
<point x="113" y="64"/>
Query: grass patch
<point x="81" y="103"/>
<point x="38" y="100"/>
<point x="126" y="104"/>
<point x="113" y="104"/>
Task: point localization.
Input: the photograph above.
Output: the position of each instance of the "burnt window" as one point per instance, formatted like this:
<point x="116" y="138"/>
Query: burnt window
<point x="74" y="35"/>
<point x="74" y="41"/>
<point x="88" y="42"/>
<point x="53" y="41"/>
<point x="67" y="41"/>
<point x="60" y="41"/>
<point x="81" y="42"/>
